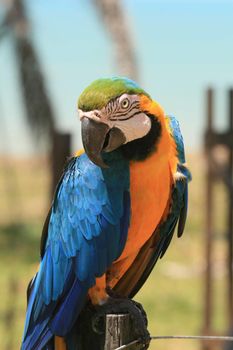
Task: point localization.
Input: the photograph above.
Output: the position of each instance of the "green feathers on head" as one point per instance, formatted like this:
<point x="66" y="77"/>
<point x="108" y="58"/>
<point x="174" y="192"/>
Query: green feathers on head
<point x="101" y="91"/>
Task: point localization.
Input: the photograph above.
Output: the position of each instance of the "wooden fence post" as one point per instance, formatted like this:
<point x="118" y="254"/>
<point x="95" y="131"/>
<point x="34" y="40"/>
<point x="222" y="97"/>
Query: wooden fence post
<point x="230" y="219"/>
<point x="209" y="219"/>
<point x="117" y="331"/>
<point x="224" y="172"/>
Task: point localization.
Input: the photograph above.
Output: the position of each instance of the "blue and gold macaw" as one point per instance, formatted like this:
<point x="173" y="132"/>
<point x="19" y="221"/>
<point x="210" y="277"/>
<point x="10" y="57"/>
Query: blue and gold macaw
<point x="114" y="212"/>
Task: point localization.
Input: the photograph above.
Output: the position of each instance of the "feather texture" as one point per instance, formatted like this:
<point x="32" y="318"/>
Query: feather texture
<point x="86" y="231"/>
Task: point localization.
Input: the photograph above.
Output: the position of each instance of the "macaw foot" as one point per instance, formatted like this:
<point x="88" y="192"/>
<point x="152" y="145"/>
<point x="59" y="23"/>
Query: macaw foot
<point x="137" y="314"/>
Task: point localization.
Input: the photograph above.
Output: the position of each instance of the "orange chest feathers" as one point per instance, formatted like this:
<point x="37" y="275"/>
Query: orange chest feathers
<point x="151" y="182"/>
<point x="150" y="187"/>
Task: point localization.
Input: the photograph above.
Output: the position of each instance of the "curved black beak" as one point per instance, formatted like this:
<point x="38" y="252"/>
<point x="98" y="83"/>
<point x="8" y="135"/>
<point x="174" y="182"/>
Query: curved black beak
<point x="93" y="136"/>
<point x="98" y="137"/>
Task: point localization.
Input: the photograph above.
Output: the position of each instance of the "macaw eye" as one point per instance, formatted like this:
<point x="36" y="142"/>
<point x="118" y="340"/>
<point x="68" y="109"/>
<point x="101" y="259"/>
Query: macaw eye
<point x="125" y="103"/>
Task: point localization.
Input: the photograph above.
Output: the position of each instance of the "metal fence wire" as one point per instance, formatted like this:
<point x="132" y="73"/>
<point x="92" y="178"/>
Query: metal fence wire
<point x="175" y="337"/>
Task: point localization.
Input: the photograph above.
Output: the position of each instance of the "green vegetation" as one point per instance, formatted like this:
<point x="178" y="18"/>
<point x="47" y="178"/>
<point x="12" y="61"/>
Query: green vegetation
<point x="173" y="294"/>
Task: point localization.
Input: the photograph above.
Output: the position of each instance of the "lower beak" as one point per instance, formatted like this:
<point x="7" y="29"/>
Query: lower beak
<point x="98" y="137"/>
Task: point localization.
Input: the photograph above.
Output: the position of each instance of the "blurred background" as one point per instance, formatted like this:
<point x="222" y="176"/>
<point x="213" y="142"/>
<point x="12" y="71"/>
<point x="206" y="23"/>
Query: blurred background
<point x="181" y="52"/>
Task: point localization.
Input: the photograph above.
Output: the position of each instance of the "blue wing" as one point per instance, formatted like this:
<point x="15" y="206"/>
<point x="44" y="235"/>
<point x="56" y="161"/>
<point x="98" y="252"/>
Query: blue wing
<point x="176" y="134"/>
<point x="180" y="191"/>
<point x="86" y="231"/>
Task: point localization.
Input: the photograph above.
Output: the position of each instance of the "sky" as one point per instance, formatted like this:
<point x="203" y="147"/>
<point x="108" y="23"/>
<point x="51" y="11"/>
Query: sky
<point x="182" y="47"/>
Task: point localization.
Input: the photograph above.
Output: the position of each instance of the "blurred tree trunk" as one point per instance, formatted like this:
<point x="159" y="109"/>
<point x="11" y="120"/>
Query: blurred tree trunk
<point x="116" y="23"/>
<point x="40" y="116"/>
<point x="39" y="112"/>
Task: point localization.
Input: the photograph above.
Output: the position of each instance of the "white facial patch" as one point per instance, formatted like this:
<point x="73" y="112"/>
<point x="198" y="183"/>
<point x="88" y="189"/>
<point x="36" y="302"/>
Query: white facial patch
<point x="134" y="128"/>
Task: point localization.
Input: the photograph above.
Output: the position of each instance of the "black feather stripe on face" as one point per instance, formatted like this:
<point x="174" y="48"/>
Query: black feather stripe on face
<point x="140" y="149"/>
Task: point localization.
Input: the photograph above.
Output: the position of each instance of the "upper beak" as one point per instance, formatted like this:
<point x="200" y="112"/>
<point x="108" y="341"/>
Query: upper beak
<point x="98" y="137"/>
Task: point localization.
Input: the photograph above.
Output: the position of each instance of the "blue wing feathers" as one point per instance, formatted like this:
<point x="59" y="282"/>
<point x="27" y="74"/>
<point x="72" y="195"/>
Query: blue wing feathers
<point x="179" y="203"/>
<point x="69" y="308"/>
<point x="87" y="230"/>
<point x="176" y="133"/>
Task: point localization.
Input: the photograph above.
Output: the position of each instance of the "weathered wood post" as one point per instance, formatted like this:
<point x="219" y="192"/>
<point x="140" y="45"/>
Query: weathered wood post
<point x="230" y="218"/>
<point x="209" y="216"/>
<point x="117" y="331"/>
<point x="218" y="170"/>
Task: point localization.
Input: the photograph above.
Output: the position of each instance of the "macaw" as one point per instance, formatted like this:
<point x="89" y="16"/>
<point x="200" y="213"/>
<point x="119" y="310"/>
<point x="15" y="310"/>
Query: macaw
<point x="114" y="212"/>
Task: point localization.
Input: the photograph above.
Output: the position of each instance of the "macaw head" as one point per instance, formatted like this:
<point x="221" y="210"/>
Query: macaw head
<point x="117" y="114"/>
